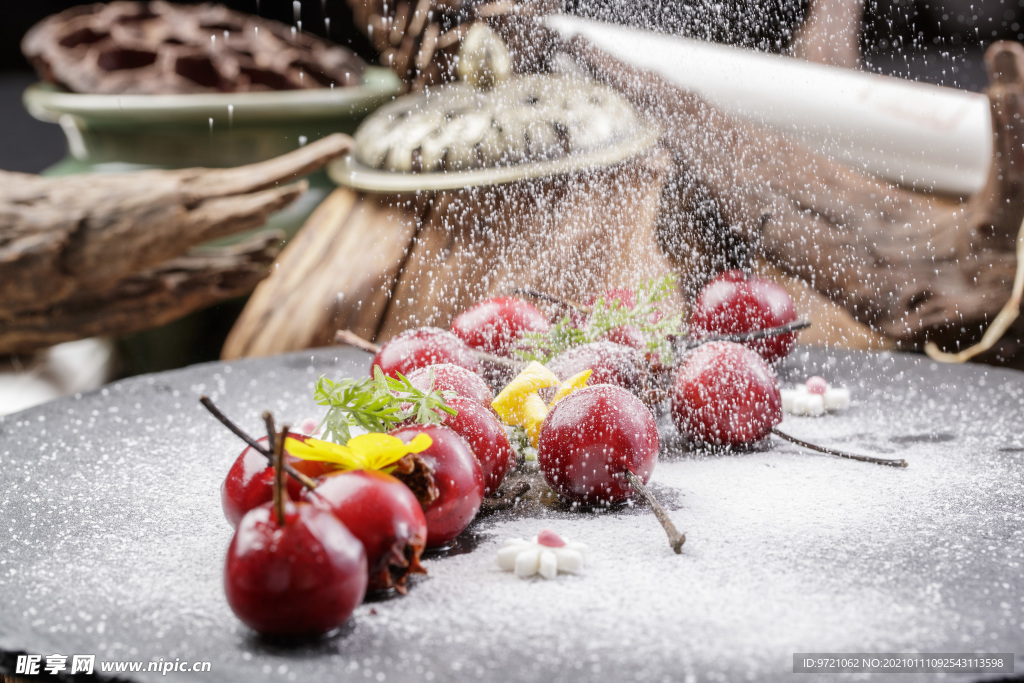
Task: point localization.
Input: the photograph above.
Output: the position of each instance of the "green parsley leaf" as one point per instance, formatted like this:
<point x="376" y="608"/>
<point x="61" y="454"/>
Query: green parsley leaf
<point x="606" y="316"/>
<point x="377" y="404"/>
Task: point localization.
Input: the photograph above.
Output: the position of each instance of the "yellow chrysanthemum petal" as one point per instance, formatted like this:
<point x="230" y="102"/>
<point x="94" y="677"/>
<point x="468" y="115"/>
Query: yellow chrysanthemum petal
<point x="511" y="401"/>
<point x="320" y="451"/>
<point x="534" y="412"/>
<point x="419" y="443"/>
<point x="363" y="452"/>
<point x="377" y="450"/>
<point x="570" y="385"/>
<point x="380" y="450"/>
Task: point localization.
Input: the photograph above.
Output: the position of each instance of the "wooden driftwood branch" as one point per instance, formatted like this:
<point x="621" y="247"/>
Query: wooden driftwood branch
<point x="81" y="255"/>
<point x="337" y="272"/>
<point x="147" y="299"/>
<point x="62" y="235"/>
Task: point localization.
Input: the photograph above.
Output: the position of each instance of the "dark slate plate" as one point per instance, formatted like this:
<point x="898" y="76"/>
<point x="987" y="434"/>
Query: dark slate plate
<point x="112" y="542"/>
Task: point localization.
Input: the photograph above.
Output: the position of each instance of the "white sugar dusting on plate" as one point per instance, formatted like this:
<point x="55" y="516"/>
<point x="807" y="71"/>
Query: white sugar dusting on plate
<point x="114" y="542"/>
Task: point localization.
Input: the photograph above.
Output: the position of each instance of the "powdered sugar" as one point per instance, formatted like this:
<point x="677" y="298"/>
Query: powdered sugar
<point x="114" y="541"/>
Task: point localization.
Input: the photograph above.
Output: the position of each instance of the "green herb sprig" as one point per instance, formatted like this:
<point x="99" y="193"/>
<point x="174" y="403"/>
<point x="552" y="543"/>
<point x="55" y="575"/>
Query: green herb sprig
<point x="608" y="315"/>
<point x="377" y="404"/>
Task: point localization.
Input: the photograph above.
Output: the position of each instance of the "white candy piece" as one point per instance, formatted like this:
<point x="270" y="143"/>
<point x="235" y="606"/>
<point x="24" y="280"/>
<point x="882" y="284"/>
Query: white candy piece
<point x="837" y="398"/>
<point x="548" y="565"/>
<point x="527" y="562"/>
<point x="800" y="401"/>
<point x="529" y="558"/>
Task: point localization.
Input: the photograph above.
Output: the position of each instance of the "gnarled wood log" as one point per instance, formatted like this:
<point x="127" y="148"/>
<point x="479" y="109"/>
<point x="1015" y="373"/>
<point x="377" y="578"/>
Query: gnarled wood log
<point x="378" y="264"/>
<point x="337" y="272"/>
<point x="146" y="299"/>
<point x="107" y="254"/>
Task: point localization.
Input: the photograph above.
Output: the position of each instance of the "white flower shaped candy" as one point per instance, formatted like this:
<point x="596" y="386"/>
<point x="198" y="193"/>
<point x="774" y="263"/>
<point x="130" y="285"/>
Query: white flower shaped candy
<point x="546" y="554"/>
<point x="815" y="397"/>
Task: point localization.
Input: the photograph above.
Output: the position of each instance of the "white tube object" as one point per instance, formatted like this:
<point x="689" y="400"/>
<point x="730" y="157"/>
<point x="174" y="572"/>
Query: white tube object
<point x="923" y="136"/>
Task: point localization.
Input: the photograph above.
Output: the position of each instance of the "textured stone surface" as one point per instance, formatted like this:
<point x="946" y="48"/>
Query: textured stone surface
<point x="112" y="541"/>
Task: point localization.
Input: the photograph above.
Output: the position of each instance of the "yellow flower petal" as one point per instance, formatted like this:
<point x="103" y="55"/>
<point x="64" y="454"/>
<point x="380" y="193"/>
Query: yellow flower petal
<point x="511" y="401"/>
<point x="319" y="451"/>
<point x="419" y="443"/>
<point x="534" y="412"/>
<point x="570" y="385"/>
<point x="363" y="452"/>
<point x="380" y="450"/>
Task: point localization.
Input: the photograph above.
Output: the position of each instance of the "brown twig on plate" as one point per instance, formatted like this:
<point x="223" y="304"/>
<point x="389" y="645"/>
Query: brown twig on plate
<point x="691" y="342"/>
<point x="839" y="454"/>
<point x="675" y="538"/>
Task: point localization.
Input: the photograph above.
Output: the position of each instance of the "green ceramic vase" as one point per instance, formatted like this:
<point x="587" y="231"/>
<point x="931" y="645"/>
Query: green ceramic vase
<point x="118" y="133"/>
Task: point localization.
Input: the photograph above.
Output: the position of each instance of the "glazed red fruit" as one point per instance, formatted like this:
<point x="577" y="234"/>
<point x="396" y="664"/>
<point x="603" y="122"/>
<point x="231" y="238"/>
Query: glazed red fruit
<point x="250" y="481"/>
<point x="301" y="579"/>
<point x="627" y="299"/>
<point x="384" y="515"/>
<point x="495" y="325"/>
<point x="734" y="302"/>
<point x="611" y="364"/>
<point x="726" y="395"/>
<point x="458" y="478"/>
<point x="486" y="437"/>
<point x="625" y="335"/>
<point x="448" y="377"/>
<point x="590" y="438"/>
<point x="421" y="347"/>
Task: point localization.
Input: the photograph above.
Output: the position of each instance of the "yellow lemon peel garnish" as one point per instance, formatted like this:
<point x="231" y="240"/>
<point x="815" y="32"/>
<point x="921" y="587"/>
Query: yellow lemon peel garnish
<point x="519" y="403"/>
<point x="510" y="403"/>
<point x="363" y="452"/>
<point x="534" y="412"/>
<point x="570" y="385"/>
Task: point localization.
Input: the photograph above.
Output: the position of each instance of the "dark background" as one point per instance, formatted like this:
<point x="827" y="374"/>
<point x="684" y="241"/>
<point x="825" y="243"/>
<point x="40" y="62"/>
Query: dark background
<point x="939" y="41"/>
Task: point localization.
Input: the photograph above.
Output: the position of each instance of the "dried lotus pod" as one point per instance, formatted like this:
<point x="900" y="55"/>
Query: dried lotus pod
<point x="162" y="48"/>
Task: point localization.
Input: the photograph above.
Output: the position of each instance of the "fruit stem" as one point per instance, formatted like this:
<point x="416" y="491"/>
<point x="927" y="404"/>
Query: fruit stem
<point x="268" y="422"/>
<point x="675" y="539"/>
<point x="839" y="454"/>
<point x="551" y="298"/>
<point x="277" y="444"/>
<point x="693" y="342"/>
<point x="352" y="339"/>
<point x="253" y="443"/>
